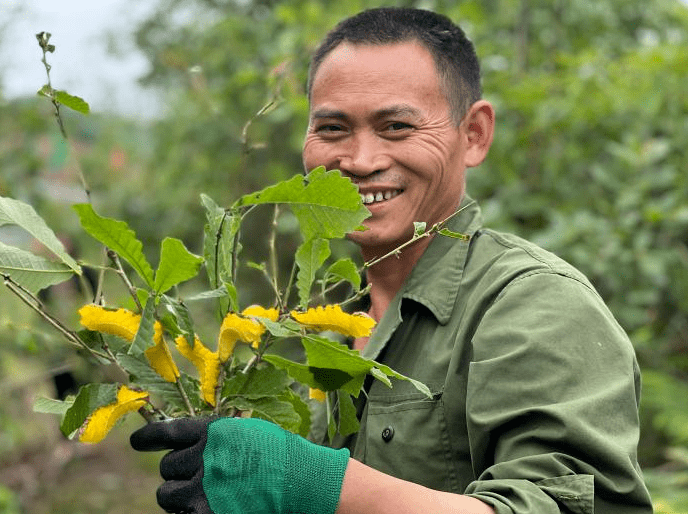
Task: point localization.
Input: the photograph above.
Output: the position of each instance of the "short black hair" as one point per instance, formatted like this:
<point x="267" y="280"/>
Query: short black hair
<point x="455" y="59"/>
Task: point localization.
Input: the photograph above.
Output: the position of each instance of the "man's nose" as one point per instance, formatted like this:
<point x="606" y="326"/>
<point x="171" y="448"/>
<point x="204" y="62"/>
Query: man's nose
<point x="364" y="156"/>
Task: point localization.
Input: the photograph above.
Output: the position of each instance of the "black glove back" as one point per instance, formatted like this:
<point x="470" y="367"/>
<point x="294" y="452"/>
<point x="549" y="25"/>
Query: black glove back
<point x="182" y="468"/>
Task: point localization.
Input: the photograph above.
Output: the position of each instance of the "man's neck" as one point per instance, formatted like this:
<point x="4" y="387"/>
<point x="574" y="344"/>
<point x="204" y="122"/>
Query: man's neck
<point x="388" y="276"/>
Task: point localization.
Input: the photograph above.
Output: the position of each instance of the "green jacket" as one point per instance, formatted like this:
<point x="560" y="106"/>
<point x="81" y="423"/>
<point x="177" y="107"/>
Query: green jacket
<point x="536" y="386"/>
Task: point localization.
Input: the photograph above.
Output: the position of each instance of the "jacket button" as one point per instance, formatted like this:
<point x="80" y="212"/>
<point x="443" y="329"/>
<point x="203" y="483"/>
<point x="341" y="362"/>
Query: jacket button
<point x="387" y="434"/>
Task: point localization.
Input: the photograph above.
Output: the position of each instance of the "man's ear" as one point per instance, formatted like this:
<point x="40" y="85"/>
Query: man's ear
<point x="479" y="126"/>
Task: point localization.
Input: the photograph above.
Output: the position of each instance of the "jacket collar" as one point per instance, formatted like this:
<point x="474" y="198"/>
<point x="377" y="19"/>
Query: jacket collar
<point x="435" y="279"/>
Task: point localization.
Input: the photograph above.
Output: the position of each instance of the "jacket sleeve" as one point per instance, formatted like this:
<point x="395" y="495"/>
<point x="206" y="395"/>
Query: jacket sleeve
<point x="552" y="403"/>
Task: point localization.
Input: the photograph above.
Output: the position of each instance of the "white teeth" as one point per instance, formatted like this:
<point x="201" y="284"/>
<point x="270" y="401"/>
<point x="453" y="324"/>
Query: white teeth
<point x="369" y="198"/>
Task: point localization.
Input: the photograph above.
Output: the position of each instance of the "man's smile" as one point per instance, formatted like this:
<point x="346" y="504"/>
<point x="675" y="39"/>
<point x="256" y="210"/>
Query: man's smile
<point x="379" y="196"/>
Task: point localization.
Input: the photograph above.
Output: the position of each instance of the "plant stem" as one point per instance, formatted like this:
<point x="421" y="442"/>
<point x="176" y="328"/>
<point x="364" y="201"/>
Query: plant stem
<point x="98" y="294"/>
<point x="220" y="384"/>
<point x="120" y="271"/>
<point x="34" y="303"/>
<point x="185" y="398"/>
<point x="146" y="415"/>
<point x="273" y="258"/>
<point x="250" y="364"/>
<point x="290" y="284"/>
<point x="43" y="41"/>
<point x="359" y="294"/>
<point x="434" y="229"/>
<point x="216" y="257"/>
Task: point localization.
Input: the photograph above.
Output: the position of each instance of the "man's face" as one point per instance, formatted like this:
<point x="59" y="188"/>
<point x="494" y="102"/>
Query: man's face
<point x="378" y="114"/>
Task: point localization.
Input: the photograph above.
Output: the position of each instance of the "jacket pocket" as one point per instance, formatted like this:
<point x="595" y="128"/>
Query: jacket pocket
<point x="406" y="437"/>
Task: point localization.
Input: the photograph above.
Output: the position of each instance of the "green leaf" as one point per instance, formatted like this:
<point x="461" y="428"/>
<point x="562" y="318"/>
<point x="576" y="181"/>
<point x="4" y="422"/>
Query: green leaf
<point x="73" y="102"/>
<point x="326" y="204"/>
<point x="232" y="297"/>
<point x="180" y="317"/>
<point x="420" y="386"/>
<point x="257" y="383"/>
<point x="270" y="408"/>
<point x="14" y="212"/>
<point x="455" y="235"/>
<point x="419" y="227"/>
<point x="117" y="236"/>
<point x="145" y="377"/>
<point x="177" y="265"/>
<point x="325" y="353"/>
<point x="348" y="422"/>
<point x="301" y="409"/>
<point x="344" y="269"/>
<point x="218" y="242"/>
<point x="220" y="292"/>
<point x="30" y="271"/>
<point x="284" y="328"/>
<point x="89" y="398"/>
<point x="322" y="352"/>
<point x="144" y="335"/>
<point x="325" y="379"/>
<point x="51" y="406"/>
<point x="309" y="257"/>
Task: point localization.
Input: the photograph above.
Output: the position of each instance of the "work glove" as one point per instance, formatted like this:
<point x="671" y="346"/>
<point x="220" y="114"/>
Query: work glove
<point x="241" y="466"/>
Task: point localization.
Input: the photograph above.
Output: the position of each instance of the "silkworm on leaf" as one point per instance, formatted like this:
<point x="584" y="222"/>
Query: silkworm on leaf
<point x="101" y="420"/>
<point x="124" y="323"/>
<point x="243" y="328"/>
<point x="160" y="358"/>
<point x="331" y="317"/>
<point x="206" y="362"/>
<point x="317" y="394"/>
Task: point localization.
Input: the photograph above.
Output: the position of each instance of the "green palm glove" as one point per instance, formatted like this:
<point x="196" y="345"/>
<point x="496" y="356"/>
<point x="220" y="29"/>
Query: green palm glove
<point x="240" y="466"/>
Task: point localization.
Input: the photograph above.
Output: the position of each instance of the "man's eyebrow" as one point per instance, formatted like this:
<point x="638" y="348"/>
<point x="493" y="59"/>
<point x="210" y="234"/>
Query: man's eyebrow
<point x="398" y="110"/>
<point x="328" y="113"/>
<point x="392" y="110"/>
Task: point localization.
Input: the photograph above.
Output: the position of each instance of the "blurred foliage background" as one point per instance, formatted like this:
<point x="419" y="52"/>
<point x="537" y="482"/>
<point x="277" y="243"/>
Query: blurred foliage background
<point x="589" y="161"/>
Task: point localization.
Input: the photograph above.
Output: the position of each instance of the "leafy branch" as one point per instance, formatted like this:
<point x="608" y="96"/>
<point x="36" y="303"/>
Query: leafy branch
<point x="58" y="98"/>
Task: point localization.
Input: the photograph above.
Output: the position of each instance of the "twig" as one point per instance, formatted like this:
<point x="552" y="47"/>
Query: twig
<point x="290" y="284"/>
<point x="218" y="238"/>
<point x="34" y="303"/>
<point x="359" y="294"/>
<point x="251" y="364"/>
<point x="98" y="295"/>
<point x="273" y="257"/>
<point x="185" y="398"/>
<point x="244" y="132"/>
<point x="220" y="384"/>
<point x="43" y="41"/>
<point x="434" y="229"/>
<point x="120" y="271"/>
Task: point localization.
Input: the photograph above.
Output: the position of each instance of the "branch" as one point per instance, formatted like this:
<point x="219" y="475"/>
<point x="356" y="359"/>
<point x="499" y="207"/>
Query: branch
<point x="34" y="303"/>
<point x="43" y="41"/>
<point x="434" y="229"/>
<point x="120" y="271"/>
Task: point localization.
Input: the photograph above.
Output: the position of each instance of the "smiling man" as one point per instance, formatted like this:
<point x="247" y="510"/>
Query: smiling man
<point x="535" y="386"/>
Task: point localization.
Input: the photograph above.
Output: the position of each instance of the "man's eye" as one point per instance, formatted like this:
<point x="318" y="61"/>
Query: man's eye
<point x="329" y="128"/>
<point x="397" y="126"/>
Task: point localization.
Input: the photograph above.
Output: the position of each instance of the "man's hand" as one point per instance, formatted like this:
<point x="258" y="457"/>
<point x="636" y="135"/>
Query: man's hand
<point x="234" y="465"/>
